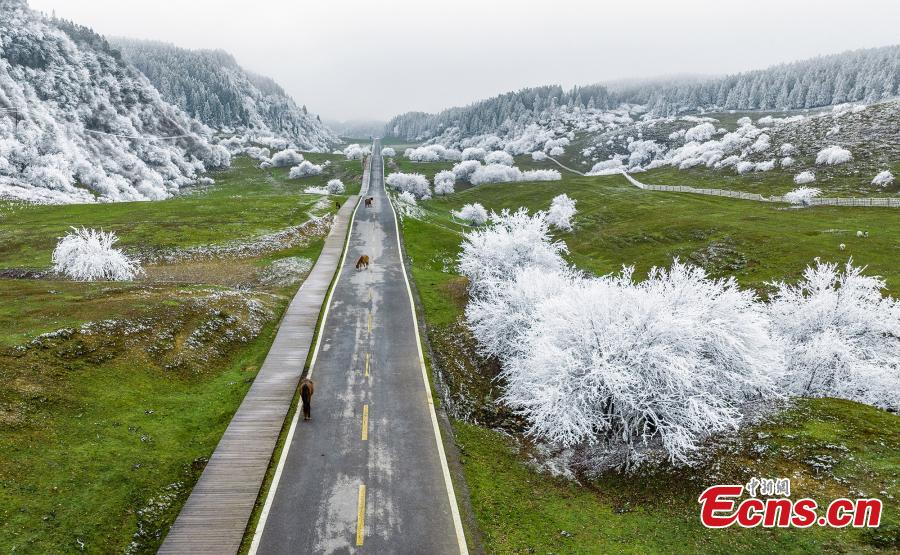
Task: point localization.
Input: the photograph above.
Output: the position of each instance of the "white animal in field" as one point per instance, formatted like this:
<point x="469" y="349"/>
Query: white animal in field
<point x="842" y="246"/>
<point x="859" y="233"/>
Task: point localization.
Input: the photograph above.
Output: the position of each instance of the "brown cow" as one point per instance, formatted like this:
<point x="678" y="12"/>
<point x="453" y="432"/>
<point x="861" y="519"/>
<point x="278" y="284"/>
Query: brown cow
<point x="306" y="393"/>
<point x="337" y="205"/>
<point x="363" y="262"/>
<point x="369" y="202"/>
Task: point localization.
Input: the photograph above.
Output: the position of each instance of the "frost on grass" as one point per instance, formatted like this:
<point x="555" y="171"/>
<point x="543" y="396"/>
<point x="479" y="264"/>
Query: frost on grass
<point x="286" y="271"/>
<point x="388" y="152"/>
<point x="840" y="335"/>
<point x="475" y="214"/>
<point x="802" y="195"/>
<point x="413" y="183"/>
<point x="88" y="255"/>
<point x="304" y="169"/>
<point x="562" y="209"/>
<point x="335" y="187"/>
<point x="883" y="179"/>
<point x="804" y="177"/>
<point x="833" y="155"/>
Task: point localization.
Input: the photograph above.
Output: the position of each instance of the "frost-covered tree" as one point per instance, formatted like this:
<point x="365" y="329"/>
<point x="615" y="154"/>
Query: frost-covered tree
<point x="802" y="195"/>
<point x="285" y="158"/>
<point x="498" y="157"/>
<point x="883" y="179"/>
<point x="475" y="214"/>
<point x="413" y="183"/>
<point x="444" y="182"/>
<point x="407" y="198"/>
<point x="89" y="255"/>
<point x="304" y="169"/>
<point x="335" y="187"/>
<point x="388" y="152"/>
<point x="804" y="177"/>
<point x="514" y="240"/>
<point x="538" y="156"/>
<point x="833" y="155"/>
<point x="562" y="209"/>
<point x="356" y="152"/>
<point x="841" y="336"/>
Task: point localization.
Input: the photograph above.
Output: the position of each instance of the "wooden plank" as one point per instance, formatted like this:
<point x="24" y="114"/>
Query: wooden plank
<point x="216" y="513"/>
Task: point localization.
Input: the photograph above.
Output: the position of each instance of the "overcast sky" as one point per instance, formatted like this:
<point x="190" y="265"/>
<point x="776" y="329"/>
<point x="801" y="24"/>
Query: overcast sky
<point x="368" y="59"/>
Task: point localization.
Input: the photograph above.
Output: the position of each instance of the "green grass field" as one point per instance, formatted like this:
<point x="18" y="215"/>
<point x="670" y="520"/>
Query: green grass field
<point x="106" y="424"/>
<point x="522" y="511"/>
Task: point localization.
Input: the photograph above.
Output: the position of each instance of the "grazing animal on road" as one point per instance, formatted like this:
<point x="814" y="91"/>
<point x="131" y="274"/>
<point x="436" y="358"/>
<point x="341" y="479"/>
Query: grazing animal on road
<point x="306" y="393"/>
<point x="369" y="202"/>
<point x="363" y="262"/>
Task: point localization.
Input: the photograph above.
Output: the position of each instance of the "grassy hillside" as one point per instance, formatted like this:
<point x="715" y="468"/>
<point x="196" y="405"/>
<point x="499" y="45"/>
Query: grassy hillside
<point x="113" y="395"/>
<point x="520" y="510"/>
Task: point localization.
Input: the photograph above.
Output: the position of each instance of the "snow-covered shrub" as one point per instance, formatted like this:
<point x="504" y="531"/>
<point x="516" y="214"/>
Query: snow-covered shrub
<point x="356" y="152"/>
<point x="841" y="337"/>
<point x="335" y="187"/>
<point x="475" y="214"/>
<point x="557" y="151"/>
<point x="804" y="177"/>
<point x="607" y="167"/>
<point x="473" y="153"/>
<point x="495" y="173"/>
<point x="744" y="167"/>
<point x="305" y="168"/>
<point x="787" y="149"/>
<point x="514" y="240"/>
<point x="414" y="183"/>
<point x="762" y="143"/>
<point x="444" y="182"/>
<point x="407" y="198"/>
<point x="623" y="366"/>
<point x="285" y="158"/>
<point x="540" y="175"/>
<point x="562" y="208"/>
<point x="883" y="179"/>
<point x="643" y="151"/>
<point x="765" y="166"/>
<point x="787" y="162"/>
<point x="432" y="153"/>
<point x="700" y="133"/>
<point x="498" y="157"/>
<point x="88" y="255"/>
<point x="802" y="195"/>
<point x="464" y="170"/>
<point x="538" y="156"/>
<point x="833" y="155"/>
<point x="388" y="152"/>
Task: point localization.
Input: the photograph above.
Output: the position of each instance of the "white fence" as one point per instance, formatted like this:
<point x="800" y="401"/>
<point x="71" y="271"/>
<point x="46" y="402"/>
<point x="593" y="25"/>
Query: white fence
<point x="863" y="201"/>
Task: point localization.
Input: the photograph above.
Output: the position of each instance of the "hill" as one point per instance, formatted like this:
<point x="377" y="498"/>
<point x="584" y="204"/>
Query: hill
<point x="211" y="86"/>
<point x="78" y="124"/>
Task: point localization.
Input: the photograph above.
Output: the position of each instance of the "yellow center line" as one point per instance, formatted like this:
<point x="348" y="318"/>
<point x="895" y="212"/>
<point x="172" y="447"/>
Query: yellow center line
<point x="367" y="365"/>
<point x="360" y="515"/>
<point x="365" y="423"/>
<point x="370" y="322"/>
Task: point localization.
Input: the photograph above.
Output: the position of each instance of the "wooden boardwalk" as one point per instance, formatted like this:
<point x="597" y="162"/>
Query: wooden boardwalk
<point x="216" y="514"/>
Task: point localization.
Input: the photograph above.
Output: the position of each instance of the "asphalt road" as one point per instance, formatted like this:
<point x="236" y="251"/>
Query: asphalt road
<point x="367" y="473"/>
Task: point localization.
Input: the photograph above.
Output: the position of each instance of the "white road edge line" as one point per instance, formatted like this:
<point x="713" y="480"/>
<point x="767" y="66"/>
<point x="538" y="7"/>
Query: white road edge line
<point x="454" y="509"/>
<point x="264" y="515"/>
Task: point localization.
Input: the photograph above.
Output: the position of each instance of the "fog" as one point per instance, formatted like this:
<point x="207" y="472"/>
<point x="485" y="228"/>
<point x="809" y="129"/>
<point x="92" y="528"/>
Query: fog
<point x="364" y="60"/>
